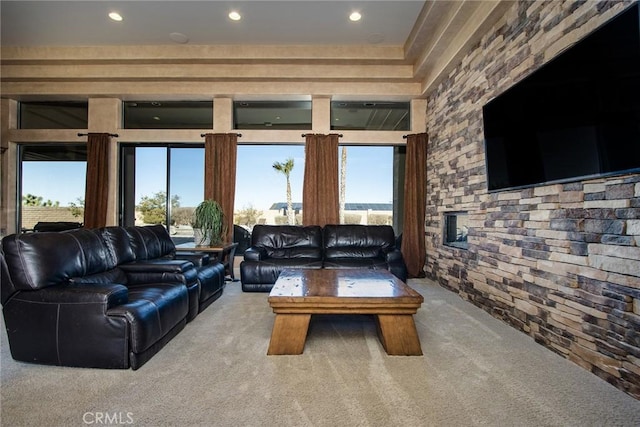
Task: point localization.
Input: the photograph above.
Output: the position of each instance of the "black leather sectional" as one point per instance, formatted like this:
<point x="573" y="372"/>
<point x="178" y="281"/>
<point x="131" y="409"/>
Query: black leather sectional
<point x="103" y="298"/>
<point x="277" y="247"/>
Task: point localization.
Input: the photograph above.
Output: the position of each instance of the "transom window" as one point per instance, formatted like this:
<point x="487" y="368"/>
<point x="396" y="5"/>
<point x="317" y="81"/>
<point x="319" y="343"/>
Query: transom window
<point x="168" y="115"/>
<point x="272" y="115"/>
<point x="370" y="115"/>
<point x="53" y="115"/>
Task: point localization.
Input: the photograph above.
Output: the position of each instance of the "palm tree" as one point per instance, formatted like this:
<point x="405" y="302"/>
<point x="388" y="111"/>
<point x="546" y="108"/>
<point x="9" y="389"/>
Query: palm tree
<point x="286" y="169"/>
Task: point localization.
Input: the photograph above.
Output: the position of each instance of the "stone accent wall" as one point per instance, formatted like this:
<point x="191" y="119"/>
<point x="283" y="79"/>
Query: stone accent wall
<point x="559" y="262"/>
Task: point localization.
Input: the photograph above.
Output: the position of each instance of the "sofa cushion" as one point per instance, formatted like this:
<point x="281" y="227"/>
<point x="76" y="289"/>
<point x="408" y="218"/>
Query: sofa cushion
<point x="152" y="241"/>
<point x="118" y="242"/>
<point x="357" y="241"/>
<point x="284" y="241"/>
<point x="152" y="311"/>
<point x="39" y="260"/>
<point x="268" y="271"/>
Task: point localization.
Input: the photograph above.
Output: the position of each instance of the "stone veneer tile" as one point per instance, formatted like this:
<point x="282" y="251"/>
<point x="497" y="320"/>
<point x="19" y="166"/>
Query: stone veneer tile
<point x="604" y="204"/>
<point x="616" y="265"/>
<point x="595" y="188"/>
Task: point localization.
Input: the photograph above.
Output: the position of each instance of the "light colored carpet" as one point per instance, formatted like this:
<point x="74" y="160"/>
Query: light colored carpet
<point x="476" y="371"/>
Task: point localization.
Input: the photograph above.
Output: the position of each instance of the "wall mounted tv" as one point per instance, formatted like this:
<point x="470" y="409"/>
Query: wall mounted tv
<point x="576" y="117"/>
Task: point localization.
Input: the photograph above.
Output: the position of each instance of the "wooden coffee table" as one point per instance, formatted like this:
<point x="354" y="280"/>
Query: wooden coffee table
<point x="299" y="293"/>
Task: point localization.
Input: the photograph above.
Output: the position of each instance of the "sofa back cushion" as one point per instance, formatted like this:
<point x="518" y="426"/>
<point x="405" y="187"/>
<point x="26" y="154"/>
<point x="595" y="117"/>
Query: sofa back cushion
<point x="288" y="241"/>
<point x="357" y="241"/>
<point x="40" y="260"/>
<point x="151" y="242"/>
<point x="119" y="244"/>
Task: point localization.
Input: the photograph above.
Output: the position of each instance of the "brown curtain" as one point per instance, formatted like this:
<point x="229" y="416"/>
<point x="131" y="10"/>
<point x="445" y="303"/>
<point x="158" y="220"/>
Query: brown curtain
<point x="415" y="200"/>
<point x="96" y="198"/>
<point x="320" y="201"/>
<point x="220" y="152"/>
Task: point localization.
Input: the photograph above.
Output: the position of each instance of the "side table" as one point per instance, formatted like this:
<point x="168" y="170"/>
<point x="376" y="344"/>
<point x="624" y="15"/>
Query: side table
<point x="225" y="253"/>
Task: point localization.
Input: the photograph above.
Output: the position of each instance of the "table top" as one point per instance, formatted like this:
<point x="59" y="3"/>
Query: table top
<point x="327" y="284"/>
<point x="191" y="246"/>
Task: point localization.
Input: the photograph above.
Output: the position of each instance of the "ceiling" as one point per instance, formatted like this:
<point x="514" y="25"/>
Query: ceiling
<point x="63" y="23"/>
<point x="400" y="48"/>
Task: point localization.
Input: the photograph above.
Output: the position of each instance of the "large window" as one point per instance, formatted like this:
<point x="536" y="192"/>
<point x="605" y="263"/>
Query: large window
<point x="261" y="188"/>
<point x="52" y="183"/>
<point x="367" y="183"/>
<point x="162" y="185"/>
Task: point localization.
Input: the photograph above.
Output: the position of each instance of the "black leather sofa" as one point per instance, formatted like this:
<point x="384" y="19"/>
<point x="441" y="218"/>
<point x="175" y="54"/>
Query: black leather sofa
<point x="277" y="247"/>
<point x="98" y="298"/>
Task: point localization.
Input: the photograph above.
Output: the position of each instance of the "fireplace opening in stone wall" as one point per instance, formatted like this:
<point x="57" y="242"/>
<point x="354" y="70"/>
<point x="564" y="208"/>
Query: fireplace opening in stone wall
<point x="456" y="229"/>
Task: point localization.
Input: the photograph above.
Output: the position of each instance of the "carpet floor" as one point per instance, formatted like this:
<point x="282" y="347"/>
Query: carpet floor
<point x="475" y="371"/>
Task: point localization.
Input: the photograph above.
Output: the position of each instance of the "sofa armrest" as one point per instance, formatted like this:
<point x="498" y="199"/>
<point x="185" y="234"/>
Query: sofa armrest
<point x="160" y="270"/>
<point x="157" y="265"/>
<point x="198" y="259"/>
<point x="69" y="325"/>
<point x="394" y="256"/>
<point x="255" y="253"/>
<point x="109" y="295"/>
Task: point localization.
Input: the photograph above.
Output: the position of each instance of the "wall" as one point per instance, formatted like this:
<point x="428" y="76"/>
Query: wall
<point x="558" y="262"/>
<point x="33" y="214"/>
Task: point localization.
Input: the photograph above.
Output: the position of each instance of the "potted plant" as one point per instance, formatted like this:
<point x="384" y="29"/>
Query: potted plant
<point x="208" y="223"/>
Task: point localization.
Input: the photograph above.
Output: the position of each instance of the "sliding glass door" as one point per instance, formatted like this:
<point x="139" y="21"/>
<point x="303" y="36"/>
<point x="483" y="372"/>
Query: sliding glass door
<point x="162" y="184"/>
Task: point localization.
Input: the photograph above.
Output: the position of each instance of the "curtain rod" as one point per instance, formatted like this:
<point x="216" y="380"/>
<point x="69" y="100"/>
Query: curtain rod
<point x="404" y="136"/>
<point x="202" y="135"/>
<point x="339" y="135"/>
<point x="115" y="135"/>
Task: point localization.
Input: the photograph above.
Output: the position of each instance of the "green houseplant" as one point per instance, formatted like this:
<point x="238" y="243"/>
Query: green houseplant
<point x="208" y="223"/>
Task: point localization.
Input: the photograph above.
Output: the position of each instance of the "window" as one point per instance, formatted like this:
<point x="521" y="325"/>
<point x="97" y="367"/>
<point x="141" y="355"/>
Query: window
<point x="272" y="115"/>
<point x="456" y="229"/>
<point x="368" y="197"/>
<point x="44" y="198"/>
<point x="261" y="190"/>
<point x="370" y="115"/>
<point x="162" y="185"/>
<point x="168" y="115"/>
<point x="53" y="115"/>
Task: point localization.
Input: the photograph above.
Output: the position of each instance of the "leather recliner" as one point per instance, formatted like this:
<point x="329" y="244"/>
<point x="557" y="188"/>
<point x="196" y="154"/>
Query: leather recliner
<point x="108" y="298"/>
<point x="275" y="248"/>
<point x="152" y="247"/>
<point x="66" y="302"/>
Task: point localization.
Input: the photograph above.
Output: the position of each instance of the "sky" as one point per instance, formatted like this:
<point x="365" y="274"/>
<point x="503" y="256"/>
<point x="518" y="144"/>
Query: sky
<point x="369" y="175"/>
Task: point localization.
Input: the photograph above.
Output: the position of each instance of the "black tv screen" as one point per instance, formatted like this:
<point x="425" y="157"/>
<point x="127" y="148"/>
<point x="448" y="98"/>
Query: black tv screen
<point x="576" y="117"/>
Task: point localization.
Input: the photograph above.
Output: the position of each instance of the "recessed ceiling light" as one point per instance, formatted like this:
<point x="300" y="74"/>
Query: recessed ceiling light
<point x="355" y="16"/>
<point x="234" y="16"/>
<point x="179" y="38"/>
<point x="115" y="16"/>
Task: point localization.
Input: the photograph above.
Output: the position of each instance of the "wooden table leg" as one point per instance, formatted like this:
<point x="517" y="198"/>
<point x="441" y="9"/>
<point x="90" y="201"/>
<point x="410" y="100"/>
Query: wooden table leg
<point x="398" y="334"/>
<point x="289" y="334"/>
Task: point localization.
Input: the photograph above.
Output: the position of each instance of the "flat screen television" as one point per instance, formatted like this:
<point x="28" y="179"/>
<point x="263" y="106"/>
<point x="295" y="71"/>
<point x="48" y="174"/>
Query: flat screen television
<point x="576" y="117"/>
